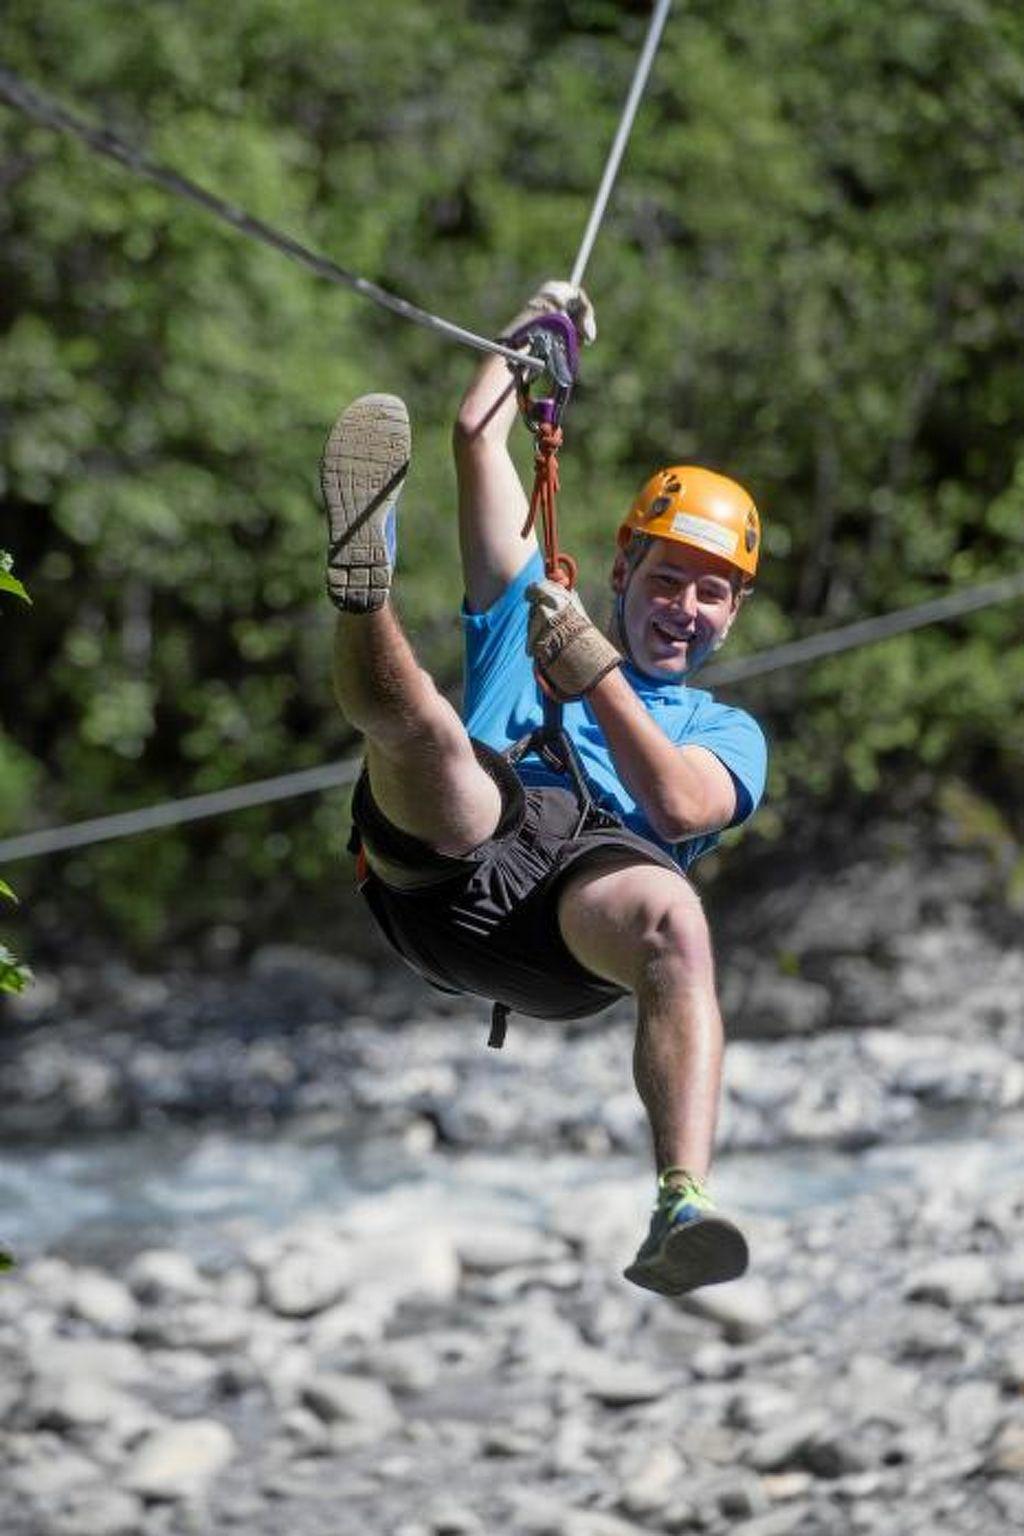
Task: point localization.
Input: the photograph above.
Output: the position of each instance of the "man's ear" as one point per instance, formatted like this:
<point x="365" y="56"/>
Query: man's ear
<point x="620" y="570"/>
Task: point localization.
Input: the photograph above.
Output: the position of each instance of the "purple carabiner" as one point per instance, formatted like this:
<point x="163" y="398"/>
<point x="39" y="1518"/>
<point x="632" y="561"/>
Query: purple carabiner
<point x="552" y="340"/>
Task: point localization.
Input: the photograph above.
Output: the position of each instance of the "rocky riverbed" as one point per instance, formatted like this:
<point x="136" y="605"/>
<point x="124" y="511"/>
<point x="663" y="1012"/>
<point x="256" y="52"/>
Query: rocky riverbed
<point x="430" y="1335"/>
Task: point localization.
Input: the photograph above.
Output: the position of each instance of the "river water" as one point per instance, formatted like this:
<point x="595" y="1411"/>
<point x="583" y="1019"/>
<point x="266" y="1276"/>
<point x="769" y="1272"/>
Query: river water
<point x="102" y="1200"/>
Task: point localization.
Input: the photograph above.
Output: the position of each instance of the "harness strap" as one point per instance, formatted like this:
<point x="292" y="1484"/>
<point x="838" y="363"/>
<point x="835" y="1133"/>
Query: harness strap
<point x="499" y="1025"/>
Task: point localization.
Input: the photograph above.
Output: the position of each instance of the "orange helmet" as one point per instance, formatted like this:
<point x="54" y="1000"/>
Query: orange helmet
<point x="701" y="508"/>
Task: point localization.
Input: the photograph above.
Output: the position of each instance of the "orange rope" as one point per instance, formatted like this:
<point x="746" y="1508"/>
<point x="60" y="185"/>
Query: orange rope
<point x="558" y="566"/>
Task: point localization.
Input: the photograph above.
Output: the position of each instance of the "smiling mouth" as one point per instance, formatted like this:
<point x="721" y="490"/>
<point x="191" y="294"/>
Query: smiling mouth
<point x="671" y="636"/>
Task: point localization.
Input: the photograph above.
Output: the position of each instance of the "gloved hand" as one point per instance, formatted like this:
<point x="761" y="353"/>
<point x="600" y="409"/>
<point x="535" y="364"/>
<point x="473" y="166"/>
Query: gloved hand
<point x="557" y="296"/>
<point x="569" y="651"/>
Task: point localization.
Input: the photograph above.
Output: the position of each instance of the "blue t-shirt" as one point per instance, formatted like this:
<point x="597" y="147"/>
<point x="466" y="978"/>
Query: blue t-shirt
<point x="503" y="703"/>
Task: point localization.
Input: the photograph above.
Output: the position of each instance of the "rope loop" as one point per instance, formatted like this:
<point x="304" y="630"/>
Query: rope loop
<point x="558" y="566"/>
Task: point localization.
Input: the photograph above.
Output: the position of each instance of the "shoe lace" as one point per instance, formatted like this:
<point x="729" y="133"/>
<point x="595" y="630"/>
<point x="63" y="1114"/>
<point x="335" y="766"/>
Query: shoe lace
<point x="676" y="1185"/>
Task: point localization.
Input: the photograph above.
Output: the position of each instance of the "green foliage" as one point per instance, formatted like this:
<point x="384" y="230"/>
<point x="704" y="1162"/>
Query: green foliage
<point x="9" y="582"/>
<point x="810" y="276"/>
<point x="14" y="977"/>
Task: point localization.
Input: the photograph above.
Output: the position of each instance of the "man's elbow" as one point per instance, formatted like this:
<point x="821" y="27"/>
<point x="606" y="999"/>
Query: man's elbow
<point x="676" y="820"/>
<point x="473" y="432"/>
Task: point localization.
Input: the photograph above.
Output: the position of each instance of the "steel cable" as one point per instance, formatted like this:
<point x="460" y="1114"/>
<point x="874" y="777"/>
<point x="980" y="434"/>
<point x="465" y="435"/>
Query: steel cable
<point x="314" y="780"/>
<point x="31" y="101"/>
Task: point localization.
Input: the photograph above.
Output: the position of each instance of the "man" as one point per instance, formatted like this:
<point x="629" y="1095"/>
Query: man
<point x="476" y="871"/>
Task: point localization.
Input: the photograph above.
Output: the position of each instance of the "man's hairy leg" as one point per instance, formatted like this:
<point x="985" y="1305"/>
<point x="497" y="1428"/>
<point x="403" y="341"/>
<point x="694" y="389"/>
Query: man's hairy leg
<point x="643" y="927"/>
<point x="423" y="772"/>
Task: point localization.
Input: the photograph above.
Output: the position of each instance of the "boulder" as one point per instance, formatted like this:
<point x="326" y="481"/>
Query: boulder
<point x="179" y="1461"/>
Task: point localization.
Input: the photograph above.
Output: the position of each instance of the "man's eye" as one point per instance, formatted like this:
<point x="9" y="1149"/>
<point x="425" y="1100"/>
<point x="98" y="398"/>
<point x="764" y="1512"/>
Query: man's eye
<point x="712" y="594"/>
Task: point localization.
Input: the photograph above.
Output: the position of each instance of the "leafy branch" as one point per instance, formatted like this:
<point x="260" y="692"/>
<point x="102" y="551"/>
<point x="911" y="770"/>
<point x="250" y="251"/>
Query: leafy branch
<point x="14" y="977"/>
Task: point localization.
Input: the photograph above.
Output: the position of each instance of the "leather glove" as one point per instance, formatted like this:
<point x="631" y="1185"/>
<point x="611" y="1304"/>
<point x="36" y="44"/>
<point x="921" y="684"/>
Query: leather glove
<point x="555" y="296"/>
<point x="569" y="651"/>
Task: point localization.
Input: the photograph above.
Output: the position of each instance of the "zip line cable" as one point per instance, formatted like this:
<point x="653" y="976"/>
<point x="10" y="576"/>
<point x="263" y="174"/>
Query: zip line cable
<point x="309" y="781"/>
<point x="172" y="813"/>
<point x="850" y="637"/>
<point x="31" y="101"/>
<point x="621" y="139"/>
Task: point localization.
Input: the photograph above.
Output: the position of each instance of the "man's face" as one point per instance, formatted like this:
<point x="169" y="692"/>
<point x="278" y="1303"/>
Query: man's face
<point x="679" y="606"/>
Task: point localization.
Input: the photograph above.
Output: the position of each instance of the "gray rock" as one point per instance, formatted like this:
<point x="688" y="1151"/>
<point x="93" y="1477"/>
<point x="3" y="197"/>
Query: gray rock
<point x="971" y="1411"/>
<point x="344" y="979"/>
<point x="784" y="1446"/>
<point x="337" y="1398"/>
<point x="445" y="1517"/>
<point x="616" y="1383"/>
<point x="743" y="1309"/>
<point x="1006" y="1454"/>
<point x="760" y="1407"/>
<point x="715" y="1362"/>
<point x="406" y="1365"/>
<point x="50" y="1280"/>
<point x="305" y="1281"/>
<point x="100" y="1512"/>
<point x="486" y="1249"/>
<point x="649" y="1478"/>
<point x="164" y="1274"/>
<point x="863" y="994"/>
<point x="960" y="1281"/>
<point x="197" y="1325"/>
<point x="1011" y="1280"/>
<point x="775" y="1522"/>
<point x="1010" y="1368"/>
<point x="52" y="1473"/>
<point x="414" y="1262"/>
<point x="103" y="1302"/>
<point x="774" y="1004"/>
<point x="76" y="1403"/>
<point x="359" y="1320"/>
<point x="98" y="1360"/>
<point x="306" y="1429"/>
<point x="593" y="1522"/>
<point x="179" y="1461"/>
<point x="931" y="1335"/>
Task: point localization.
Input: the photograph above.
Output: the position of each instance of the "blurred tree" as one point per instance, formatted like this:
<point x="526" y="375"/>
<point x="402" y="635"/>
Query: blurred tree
<point x="811" y="275"/>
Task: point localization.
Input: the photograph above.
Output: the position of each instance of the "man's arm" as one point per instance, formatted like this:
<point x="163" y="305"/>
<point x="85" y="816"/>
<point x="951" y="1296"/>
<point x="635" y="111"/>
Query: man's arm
<point x="492" y="503"/>
<point x="682" y="791"/>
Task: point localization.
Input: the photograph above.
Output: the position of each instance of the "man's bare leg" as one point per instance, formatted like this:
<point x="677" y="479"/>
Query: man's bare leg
<point x="424" y="775"/>
<point x="423" y="772"/>
<point x="643" y="927"/>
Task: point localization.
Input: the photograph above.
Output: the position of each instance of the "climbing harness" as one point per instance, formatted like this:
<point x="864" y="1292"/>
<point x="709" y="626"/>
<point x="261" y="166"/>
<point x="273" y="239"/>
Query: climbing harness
<point x="550" y="339"/>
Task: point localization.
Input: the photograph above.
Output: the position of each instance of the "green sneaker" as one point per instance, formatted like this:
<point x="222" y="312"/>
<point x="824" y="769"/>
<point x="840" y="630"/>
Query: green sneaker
<point x="362" y="472"/>
<point x="688" y="1244"/>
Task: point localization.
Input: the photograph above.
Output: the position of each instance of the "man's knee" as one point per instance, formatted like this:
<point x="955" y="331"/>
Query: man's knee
<point x="672" y="932"/>
<point x="635" y="922"/>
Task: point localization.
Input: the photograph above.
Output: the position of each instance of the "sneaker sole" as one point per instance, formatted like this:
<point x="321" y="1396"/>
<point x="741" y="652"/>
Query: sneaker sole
<point x="362" y="471"/>
<point x="706" y="1251"/>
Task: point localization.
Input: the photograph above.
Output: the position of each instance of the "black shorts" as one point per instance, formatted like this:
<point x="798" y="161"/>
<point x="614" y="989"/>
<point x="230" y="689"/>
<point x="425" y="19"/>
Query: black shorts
<point x="487" y="923"/>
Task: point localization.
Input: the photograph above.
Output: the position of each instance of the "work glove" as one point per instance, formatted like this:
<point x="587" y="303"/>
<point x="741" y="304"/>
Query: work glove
<point x="569" y="651"/>
<point x="558" y="297"/>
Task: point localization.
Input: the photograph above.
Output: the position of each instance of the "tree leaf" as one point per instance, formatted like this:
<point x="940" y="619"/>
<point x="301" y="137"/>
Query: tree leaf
<point x="9" y="583"/>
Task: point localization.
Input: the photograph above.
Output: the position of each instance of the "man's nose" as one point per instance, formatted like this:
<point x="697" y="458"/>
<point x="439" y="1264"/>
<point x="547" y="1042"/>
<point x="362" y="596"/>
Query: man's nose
<point x="686" y="598"/>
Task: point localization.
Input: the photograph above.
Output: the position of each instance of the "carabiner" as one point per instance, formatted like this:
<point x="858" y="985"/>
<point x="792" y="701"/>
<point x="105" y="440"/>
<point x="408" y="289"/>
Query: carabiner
<point x="552" y="340"/>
